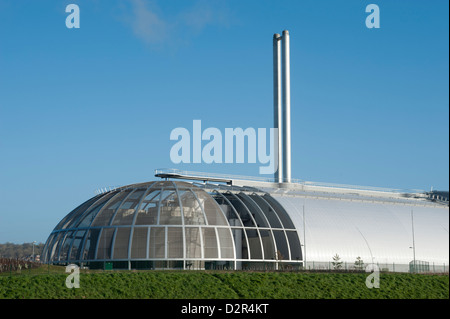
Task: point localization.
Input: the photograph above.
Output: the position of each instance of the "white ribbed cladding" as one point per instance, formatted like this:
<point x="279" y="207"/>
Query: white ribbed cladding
<point x="375" y="231"/>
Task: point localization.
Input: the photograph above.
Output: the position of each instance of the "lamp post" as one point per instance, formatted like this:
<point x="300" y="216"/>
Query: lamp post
<point x="34" y="242"/>
<point x="414" y="244"/>
<point x="304" y="237"/>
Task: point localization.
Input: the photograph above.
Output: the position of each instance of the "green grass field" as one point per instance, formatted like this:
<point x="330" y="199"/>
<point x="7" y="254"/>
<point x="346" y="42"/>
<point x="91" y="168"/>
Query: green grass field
<point x="37" y="284"/>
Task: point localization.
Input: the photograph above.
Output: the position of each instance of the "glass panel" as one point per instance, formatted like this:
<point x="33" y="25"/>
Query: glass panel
<point x="240" y="242"/>
<point x="183" y="185"/>
<point x="90" y="244"/>
<point x="56" y="246"/>
<point x="241" y="210"/>
<point x="77" y="212"/>
<point x="105" y="215"/>
<point x="121" y="243"/>
<point x="139" y="243"/>
<point x="125" y="213"/>
<point x="52" y="246"/>
<point x="193" y="214"/>
<point x="174" y="242"/>
<point x="66" y="246"/>
<point x="210" y="243"/>
<point x="148" y="212"/>
<point x="157" y="242"/>
<point x="166" y="193"/>
<point x="279" y="210"/>
<point x="212" y="210"/>
<point x="47" y="248"/>
<point x="228" y="210"/>
<point x="255" y="210"/>
<point x="268" y="212"/>
<point x="76" y="246"/>
<point x="86" y="220"/>
<point x="294" y="244"/>
<point x="226" y="243"/>
<point x="104" y="245"/>
<point x="282" y="246"/>
<point x="169" y="211"/>
<point x="268" y="246"/>
<point x="193" y="243"/>
<point x="255" y="244"/>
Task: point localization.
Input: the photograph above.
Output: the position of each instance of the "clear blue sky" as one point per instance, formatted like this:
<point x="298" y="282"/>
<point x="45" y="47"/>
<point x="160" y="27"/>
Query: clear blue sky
<point x="85" y="108"/>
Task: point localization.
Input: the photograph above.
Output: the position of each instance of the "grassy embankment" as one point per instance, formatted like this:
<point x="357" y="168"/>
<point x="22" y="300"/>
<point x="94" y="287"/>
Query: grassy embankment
<point x="41" y="283"/>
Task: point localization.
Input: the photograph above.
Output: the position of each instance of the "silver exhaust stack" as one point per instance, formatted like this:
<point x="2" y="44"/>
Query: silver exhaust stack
<point x="282" y="105"/>
<point x="277" y="115"/>
<point x="286" y="109"/>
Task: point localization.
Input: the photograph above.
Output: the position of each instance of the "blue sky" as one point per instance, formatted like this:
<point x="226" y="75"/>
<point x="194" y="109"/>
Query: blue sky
<point x="91" y="107"/>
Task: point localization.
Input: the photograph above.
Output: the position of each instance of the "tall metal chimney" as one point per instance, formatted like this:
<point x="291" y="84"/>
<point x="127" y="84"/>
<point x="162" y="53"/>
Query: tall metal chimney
<point x="286" y="99"/>
<point x="277" y="112"/>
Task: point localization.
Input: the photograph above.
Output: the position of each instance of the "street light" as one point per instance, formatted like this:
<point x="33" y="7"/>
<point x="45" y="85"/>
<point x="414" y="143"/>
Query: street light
<point x="34" y="242"/>
<point x="414" y="244"/>
<point x="304" y="238"/>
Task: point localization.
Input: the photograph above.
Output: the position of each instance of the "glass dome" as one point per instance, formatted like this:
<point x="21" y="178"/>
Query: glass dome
<point x="169" y="224"/>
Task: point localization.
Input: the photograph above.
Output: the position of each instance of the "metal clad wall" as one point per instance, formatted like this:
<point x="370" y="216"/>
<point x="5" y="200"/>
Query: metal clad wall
<point x="381" y="232"/>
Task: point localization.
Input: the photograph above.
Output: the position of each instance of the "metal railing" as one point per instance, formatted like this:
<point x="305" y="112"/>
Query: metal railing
<point x="106" y="189"/>
<point x="188" y="174"/>
<point x="218" y="176"/>
<point x="15" y="267"/>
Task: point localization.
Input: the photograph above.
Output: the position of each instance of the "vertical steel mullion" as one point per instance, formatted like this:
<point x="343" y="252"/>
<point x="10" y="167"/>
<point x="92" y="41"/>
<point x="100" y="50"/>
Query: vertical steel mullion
<point x="219" y="246"/>
<point x="183" y="234"/>
<point x="166" y="242"/>
<point x="136" y="212"/>
<point x="113" y="243"/>
<point x="202" y="243"/>
<point x="241" y="227"/>
<point x="159" y="205"/>
<point x="98" y="241"/>
<point x="147" y="256"/>
<point x="201" y="207"/>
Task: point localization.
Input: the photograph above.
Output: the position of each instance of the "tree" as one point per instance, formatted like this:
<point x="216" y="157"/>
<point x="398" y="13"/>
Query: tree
<point x="359" y="263"/>
<point x="337" y="263"/>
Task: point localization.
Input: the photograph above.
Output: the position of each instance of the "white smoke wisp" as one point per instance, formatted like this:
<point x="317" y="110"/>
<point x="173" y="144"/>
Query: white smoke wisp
<point x="153" y="26"/>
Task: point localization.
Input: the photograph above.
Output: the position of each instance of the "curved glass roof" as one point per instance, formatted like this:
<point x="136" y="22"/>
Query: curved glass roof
<point x="175" y="221"/>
